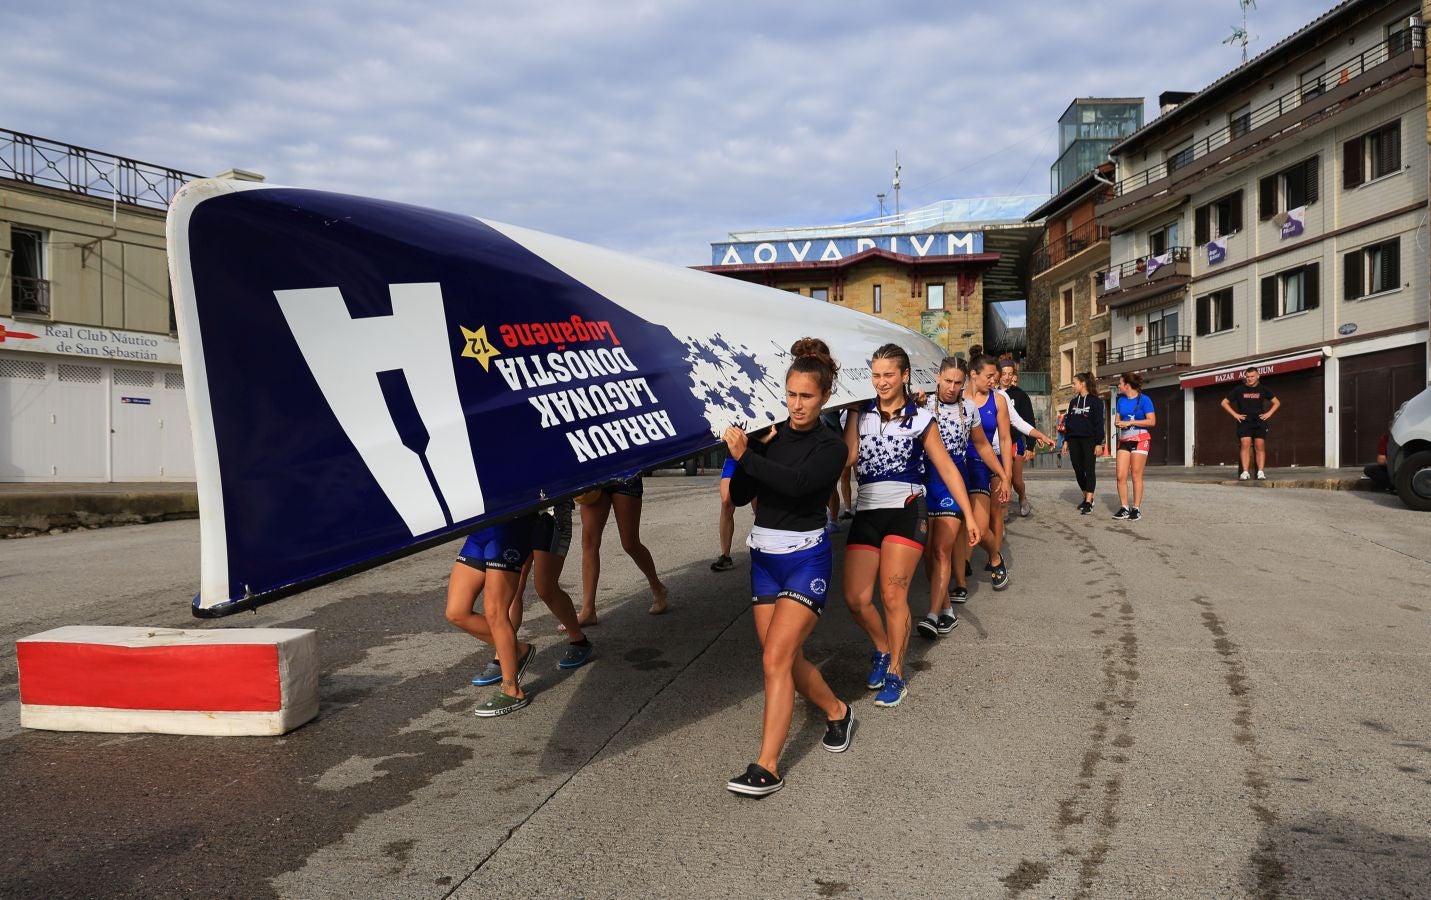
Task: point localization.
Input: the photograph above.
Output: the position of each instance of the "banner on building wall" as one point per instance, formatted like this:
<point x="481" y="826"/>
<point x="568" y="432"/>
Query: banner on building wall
<point x="1111" y="279"/>
<point x="88" y="342"/>
<point x="916" y="244"/>
<point x="1154" y="263"/>
<point x="1292" y="222"/>
<point x="367" y="379"/>
<point x="1216" y="250"/>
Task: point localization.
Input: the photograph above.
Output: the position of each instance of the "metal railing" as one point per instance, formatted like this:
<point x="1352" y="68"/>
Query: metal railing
<point x="36" y="160"/>
<point x="1139" y="266"/>
<point x="1051" y="253"/>
<point x="29" y="296"/>
<point x="1144" y="349"/>
<point x="1336" y="75"/>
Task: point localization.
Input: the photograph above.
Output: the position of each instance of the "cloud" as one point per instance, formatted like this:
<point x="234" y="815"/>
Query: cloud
<point x="649" y="127"/>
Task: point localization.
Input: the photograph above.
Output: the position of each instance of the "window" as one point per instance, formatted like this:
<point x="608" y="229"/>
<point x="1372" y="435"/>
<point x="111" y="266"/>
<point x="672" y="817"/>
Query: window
<point x="1214" y="312"/>
<point x="1163" y="239"/>
<point x="1099" y="307"/>
<point x="1180" y="157"/>
<point x="1218" y="218"/>
<point x="1100" y="354"/>
<point x="29" y="291"/>
<point x="878" y="300"/>
<point x="1288" y="189"/>
<point x="821" y="294"/>
<point x="1240" y="122"/>
<point x="934" y="296"/>
<point x="1311" y="83"/>
<point x="1066" y="307"/>
<point x="1163" y="328"/>
<point x="1398" y="36"/>
<point x="1293" y="291"/>
<point x="1065" y="367"/>
<point x="1372" y="270"/>
<point x="1373" y="155"/>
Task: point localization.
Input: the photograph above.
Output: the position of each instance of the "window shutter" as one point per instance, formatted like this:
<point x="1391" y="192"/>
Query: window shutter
<point x="1390" y="149"/>
<point x="1224" y="319"/>
<point x="1351" y="164"/>
<point x="1391" y="264"/>
<point x="1201" y="232"/>
<point x="1310" y="170"/>
<point x="1267" y="198"/>
<point x="1269" y="297"/>
<point x="1310" y="288"/>
<point x="1352" y="278"/>
<point x="1235" y="219"/>
<point x="1202" y="315"/>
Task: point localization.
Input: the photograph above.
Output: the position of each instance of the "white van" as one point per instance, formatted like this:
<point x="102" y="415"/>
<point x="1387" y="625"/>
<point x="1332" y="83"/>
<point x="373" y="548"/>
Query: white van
<point x="1408" y="453"/>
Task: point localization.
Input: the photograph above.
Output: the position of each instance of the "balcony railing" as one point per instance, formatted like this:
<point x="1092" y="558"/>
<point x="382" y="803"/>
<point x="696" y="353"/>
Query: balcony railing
<point x="1154" y="353"/>
<point x="35" y="160"/>
<point x="29" y="296"/>
<point x="1309" y="98"/>
<point x="1145" y="276"/>
<point x="1051" y="253"/>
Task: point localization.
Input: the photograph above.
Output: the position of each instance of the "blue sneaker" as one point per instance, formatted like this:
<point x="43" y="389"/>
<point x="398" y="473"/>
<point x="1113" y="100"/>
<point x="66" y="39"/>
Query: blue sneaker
<point x="490" y="675"/>
<point x="879" y="668"/>
<point x="578" y="654"/>
<point x="892" y="692"/>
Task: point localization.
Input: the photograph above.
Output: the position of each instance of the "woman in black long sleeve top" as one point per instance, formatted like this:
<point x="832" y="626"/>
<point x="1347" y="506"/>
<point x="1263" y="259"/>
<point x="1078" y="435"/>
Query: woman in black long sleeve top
<point x="792" y="474"/>
<point x="1083" y="433"/>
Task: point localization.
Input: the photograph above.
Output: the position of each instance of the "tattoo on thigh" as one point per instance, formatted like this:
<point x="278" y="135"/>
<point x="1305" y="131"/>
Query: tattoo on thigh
<point x="898" y="580"/>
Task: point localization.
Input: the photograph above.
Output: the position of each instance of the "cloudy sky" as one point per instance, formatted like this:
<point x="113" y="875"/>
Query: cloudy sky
<point x="649" y="127"/>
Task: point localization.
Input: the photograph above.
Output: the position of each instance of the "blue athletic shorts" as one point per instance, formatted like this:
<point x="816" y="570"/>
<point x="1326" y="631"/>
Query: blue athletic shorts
<point x="941" y="502"/>
<point x="1019" y="444"/>
<point x="728" y="470"/>
<point x="502" y="547"/>
<point x="976" y="476"/>
<point x="803" y="576"/>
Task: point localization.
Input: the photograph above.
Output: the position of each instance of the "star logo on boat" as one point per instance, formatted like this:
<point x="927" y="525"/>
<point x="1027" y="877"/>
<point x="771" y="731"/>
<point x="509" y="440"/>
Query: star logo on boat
<point x="478" y="347"/>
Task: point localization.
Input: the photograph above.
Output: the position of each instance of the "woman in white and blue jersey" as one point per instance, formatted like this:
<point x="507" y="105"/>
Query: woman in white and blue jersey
<point x="791" y="565"/>
<point x="988" y="485"/>
<point x="962" y="432"/>
<point x="889" y="441"/>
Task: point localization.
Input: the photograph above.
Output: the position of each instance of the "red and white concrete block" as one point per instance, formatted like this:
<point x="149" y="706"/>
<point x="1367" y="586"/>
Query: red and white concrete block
<point x="223" y="681"/>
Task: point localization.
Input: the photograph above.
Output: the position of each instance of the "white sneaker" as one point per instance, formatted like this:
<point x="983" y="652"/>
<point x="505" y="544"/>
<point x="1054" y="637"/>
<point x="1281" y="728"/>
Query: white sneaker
<point x="1025" y="508"/>
<point x="1244" y="476"/>
<point x="1261" y="475"/>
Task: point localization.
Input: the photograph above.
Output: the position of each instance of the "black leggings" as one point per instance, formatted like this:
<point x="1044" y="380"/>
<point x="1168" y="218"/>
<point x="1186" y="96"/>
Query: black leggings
<point x="1080" y="454"/>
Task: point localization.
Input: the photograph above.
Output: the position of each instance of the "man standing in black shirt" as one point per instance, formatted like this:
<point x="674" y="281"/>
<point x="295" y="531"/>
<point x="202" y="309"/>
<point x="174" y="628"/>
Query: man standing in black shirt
<point x="1252" y="404"/>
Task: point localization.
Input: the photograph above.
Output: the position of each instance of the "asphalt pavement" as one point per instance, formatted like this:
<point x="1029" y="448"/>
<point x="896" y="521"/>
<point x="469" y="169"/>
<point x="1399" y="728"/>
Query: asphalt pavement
<point x="1223" y="699"/>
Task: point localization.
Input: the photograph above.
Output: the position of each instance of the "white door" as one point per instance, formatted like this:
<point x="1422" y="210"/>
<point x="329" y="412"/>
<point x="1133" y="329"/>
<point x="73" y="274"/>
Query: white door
<point x="178" y="446"/>
<point x="136" y="445"/>
<point x="78" y="448"/>
<point x="24" y="418"/>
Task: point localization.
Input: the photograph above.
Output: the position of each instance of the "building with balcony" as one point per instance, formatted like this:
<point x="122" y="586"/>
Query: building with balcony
<point x="935" y="270"/>
<point x="1087" y="130"/>
<point x="90" y="384"/>
<point x="1064" y="306"/>
<point x="1271" y="220"/>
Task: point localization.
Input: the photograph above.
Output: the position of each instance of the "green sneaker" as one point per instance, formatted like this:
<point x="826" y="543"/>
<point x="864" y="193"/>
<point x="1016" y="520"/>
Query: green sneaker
<point x="501" y="704"/>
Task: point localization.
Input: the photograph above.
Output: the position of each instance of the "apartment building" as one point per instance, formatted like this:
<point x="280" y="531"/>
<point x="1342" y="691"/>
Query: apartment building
<point x="90" y="384"/>
<point x="1277" y="219"/>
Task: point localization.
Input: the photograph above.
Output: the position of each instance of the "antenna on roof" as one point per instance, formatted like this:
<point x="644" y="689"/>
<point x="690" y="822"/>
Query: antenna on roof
<point x="1240" y="35"/>
<point x="896" y="179"/>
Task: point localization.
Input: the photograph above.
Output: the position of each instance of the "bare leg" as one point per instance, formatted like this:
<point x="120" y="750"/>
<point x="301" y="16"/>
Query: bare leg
<point x="463" y="586"/>
<point x="845" y="493"/>
<point x="943" y="531"/>
<point x="861" y="570"/>
<point x="1122" y="473"/>
<point x="497" y="599"/>
<point x="727" y="517"/>
<point x="1261" y="445"/>
<point x="993" y="537"/>
<point x="1140" y="462"/>
<point x="897" y="562"/>
<point x="783" y="628"/>
<point x="546" y="572"/>
<point x="1018" y="476"/>
<point x="628" y="524"/>
<point x="962" y="550"/>
<point x="593" y="523"/>
<point x="521" y="592"/>
<point x="1244" y="453"/>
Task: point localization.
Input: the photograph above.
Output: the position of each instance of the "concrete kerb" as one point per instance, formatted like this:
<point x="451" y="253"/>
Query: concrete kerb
<point x="23" y="514"/>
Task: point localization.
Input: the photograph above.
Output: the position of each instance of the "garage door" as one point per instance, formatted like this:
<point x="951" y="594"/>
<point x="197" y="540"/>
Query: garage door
<point x="1297" y="434"/>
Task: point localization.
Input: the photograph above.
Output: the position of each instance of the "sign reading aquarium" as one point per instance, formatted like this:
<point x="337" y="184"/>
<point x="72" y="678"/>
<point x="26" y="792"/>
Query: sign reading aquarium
<point x="938" y="243"/>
